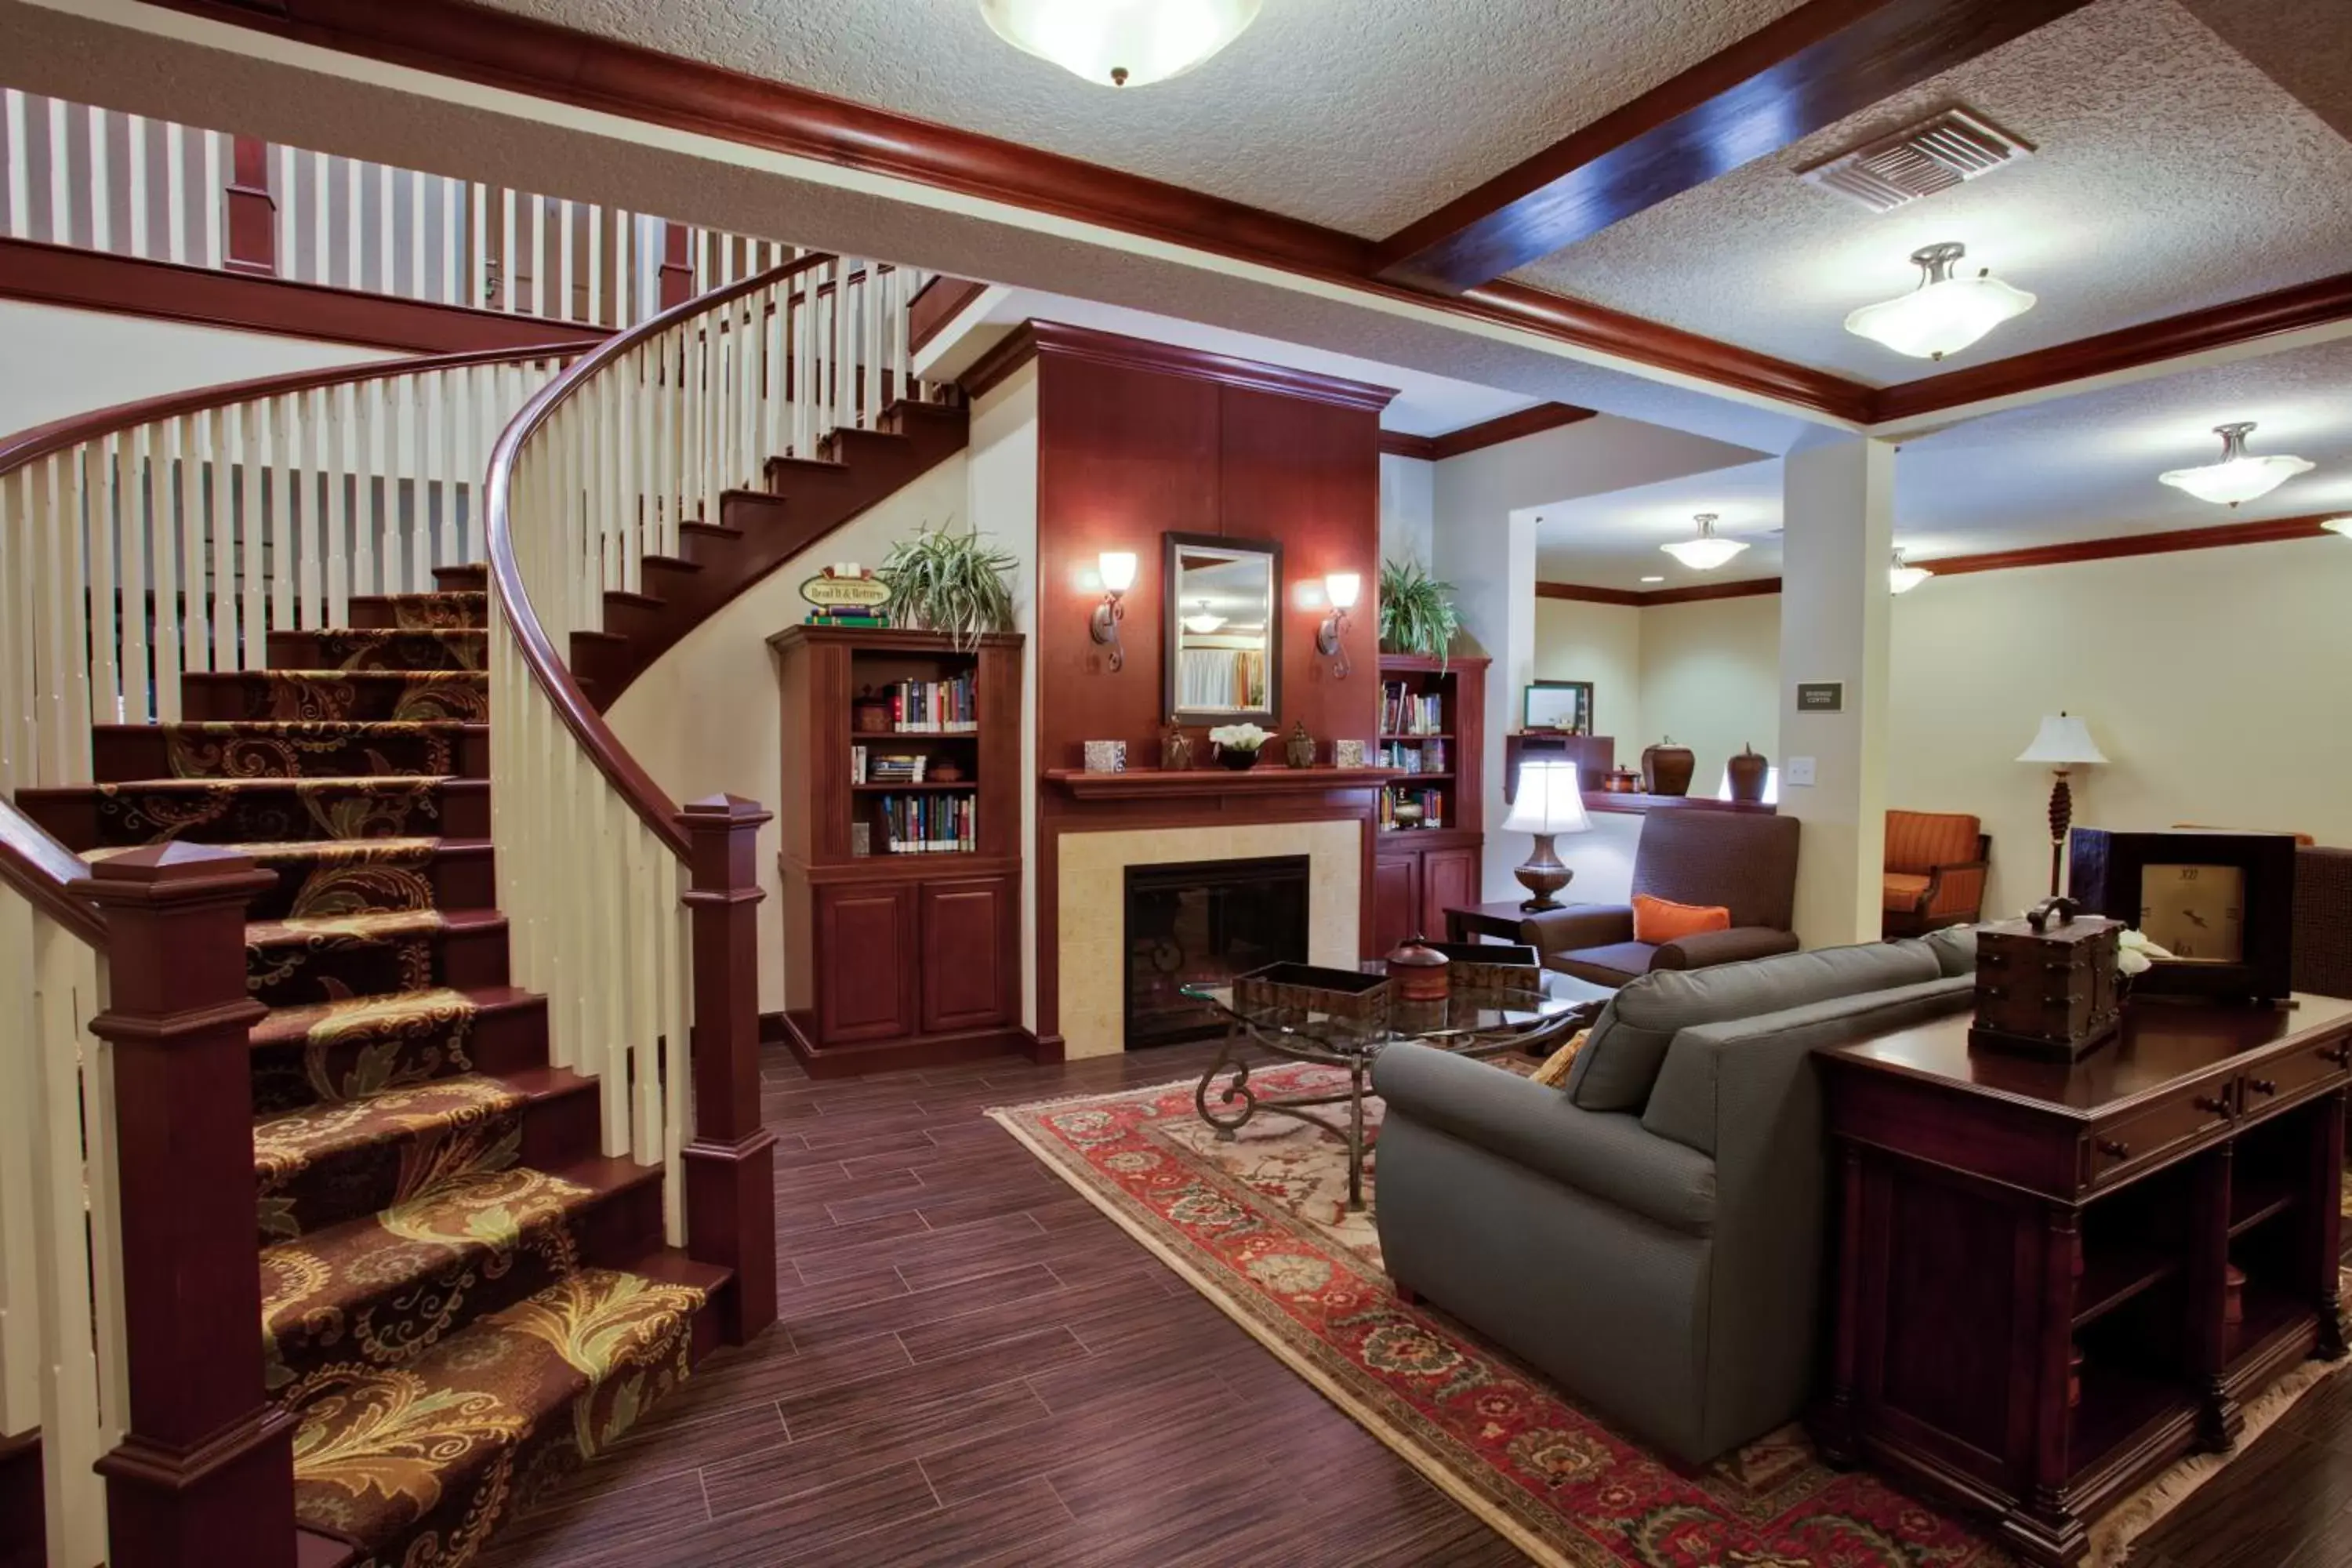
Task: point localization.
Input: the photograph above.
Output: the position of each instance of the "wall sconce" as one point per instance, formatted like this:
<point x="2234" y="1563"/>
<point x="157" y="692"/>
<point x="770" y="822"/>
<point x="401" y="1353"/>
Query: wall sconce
<point x="1117" y="570"/>
<point x="1340" y="589"/>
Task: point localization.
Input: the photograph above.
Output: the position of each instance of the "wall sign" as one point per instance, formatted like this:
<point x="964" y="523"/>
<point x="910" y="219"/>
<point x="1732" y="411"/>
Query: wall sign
<point x="1820" y="697"/>
<point x="840" y="585"/>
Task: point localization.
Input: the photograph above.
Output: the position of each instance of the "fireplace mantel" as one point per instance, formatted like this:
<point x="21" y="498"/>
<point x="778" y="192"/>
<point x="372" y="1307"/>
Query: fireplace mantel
<point x="1162" y="783"/>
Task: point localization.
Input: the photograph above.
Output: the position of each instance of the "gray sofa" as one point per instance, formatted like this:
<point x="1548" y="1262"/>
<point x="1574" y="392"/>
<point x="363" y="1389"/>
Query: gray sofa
<point x="1650" y="1234"/>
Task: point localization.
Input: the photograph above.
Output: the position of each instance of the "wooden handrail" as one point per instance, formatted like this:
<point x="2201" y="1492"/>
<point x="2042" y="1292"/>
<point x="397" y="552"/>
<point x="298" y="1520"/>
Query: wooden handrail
<point x="28" y="446"/>
<point x="40" y="868"/>
<point x="646" y="798"/>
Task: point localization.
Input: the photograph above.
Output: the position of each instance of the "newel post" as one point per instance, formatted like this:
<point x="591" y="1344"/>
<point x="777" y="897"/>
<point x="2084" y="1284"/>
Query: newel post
<point x="252" y="209"/>
<point x="205" y="1472"/>
<point x="730" y="1191"/>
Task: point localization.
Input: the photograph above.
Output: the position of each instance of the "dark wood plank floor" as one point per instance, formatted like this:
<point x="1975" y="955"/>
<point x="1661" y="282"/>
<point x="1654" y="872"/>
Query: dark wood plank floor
<point x="974" y="1367"/>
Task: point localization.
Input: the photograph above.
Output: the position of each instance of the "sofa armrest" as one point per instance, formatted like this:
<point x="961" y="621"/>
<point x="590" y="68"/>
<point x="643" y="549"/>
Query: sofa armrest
<point x="1577" y="926"/>
<point x="1705" y="949"/>
<point x="1601" y="1155"/>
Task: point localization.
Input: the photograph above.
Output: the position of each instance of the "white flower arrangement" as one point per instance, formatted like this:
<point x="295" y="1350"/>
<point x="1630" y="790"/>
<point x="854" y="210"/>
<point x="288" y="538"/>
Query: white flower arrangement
<point x="2137" y="954"/>
<point x="1239" y="737"/>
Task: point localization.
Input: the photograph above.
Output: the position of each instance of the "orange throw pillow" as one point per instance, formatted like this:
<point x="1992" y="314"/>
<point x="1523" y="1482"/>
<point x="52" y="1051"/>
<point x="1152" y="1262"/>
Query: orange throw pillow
<point x="1661" y="920"/>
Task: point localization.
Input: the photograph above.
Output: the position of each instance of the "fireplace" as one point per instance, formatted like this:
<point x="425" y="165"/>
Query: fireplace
<point x="1205" y="922"/>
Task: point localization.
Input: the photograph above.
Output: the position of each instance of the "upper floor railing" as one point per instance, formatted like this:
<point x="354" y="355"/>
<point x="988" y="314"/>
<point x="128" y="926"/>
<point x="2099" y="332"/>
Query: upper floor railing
<point x="97" y="179"/>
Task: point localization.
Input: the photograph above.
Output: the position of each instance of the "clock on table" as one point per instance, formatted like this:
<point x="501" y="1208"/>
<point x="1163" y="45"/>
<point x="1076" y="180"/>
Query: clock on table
<point x="2221" y="904"/>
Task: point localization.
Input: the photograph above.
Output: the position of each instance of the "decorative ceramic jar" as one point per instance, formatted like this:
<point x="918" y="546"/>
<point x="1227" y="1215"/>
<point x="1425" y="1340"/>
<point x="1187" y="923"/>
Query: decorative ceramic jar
<point x="1175" y="750"/>
<point x="1668" y="767"/>
<point x="1749" y="772"/>
<point x="1299" y="749"/>
<point x="1418" y="971"/>
<point x="1237" y="759"/>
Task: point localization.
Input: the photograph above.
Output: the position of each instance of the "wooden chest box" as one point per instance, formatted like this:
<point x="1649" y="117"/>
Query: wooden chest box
<point x="2046" y="983"/>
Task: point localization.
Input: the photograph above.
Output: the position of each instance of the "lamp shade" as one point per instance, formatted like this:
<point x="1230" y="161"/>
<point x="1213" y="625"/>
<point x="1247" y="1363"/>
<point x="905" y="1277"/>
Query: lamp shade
<point x="1120" y="43"/>
<point x="2062" y="742"/>
<point x="1343" y="588"/>
<point x="1118" y="569"/>
<point x="1551" y="800"/>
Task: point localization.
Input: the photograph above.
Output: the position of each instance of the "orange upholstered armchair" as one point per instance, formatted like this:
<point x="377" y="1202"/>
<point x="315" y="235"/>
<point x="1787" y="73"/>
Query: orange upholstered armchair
<point x="1936" y="864"/>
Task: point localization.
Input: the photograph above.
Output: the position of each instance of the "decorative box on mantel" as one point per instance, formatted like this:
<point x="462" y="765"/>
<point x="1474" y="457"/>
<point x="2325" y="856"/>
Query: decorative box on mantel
<point x="2046" y="983"/>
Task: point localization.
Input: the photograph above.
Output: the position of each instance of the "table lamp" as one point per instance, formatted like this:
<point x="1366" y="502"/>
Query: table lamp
<point x="1551" y="802"/>
<point x="2064" y="742"/>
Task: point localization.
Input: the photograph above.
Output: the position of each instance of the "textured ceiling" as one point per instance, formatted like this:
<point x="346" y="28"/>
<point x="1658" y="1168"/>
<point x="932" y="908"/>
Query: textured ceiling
<point x="2082" y="467"/>
<point x="2170" y="175"/>
<point x="1360" y="114"/>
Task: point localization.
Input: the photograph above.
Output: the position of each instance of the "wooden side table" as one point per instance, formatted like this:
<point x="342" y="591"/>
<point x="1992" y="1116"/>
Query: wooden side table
<point x="2052" y="1281"/>
<point x="1500" y="920"/>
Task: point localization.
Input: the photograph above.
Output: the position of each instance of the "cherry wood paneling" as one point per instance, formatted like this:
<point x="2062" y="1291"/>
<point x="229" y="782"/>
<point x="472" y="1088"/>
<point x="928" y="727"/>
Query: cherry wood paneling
<point x="970" y="937"/>
<point x="1449" y="880"/>
<point x="1809" y="68"/>
<point x="126" y="285"/>
<point x="937" y="303"/>
<point x="1396" y="901"/>
<point x="867" y="950"/>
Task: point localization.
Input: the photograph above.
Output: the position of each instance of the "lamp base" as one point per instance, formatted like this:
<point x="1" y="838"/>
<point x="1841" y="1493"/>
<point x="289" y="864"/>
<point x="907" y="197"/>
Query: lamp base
<point x="1542" y="875"/>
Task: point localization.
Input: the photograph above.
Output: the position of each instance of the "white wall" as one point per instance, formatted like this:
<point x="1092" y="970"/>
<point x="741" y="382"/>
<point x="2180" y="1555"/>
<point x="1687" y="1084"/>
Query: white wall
<point x="705" y="718"/>
<point x="56" y="363"/>
<point x="1710" y="679"/>
<point x="1601" y="644"/>
<point x="1408" y="507"/>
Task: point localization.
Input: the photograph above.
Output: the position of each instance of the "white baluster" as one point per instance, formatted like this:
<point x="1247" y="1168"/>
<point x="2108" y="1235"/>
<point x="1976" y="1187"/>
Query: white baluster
<point x="107" y="509"/>
<point x="220" y="599"/>
<point x="20" y="173"/>
<point x="354" y="226"/>
<point x="253" y="532"/>
<point x="134" y="169"/>
<point x="322" y="270"/>
<point x="214" y="199"/>
<point x="140" y="496"/>
<point x="61" y="228"/>
<point x="102" y="186"/>
<point x="166" y="519"/>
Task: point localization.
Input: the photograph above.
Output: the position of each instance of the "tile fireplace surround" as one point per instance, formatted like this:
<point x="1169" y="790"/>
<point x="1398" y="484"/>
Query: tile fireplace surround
<point x="1091" y="921"/>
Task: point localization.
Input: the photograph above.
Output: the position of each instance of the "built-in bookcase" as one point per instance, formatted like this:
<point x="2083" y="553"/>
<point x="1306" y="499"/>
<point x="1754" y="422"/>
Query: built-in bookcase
<point x="1432" y="725"/>
<point x="900" y="817"/>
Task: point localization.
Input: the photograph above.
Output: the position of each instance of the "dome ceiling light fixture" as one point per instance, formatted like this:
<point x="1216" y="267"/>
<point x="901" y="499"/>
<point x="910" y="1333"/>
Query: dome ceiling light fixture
<point x="1203" y="621"/>
<point x="1945" y="314"/>
<point x="1120" y="43"/>
<point x="1902" y="577"/>
<point x="1706" y="552"/>
<point x="2237" y="477"/>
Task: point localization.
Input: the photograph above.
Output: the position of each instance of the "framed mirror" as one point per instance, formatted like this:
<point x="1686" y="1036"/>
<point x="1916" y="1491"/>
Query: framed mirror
<point x="1222" y="630"/>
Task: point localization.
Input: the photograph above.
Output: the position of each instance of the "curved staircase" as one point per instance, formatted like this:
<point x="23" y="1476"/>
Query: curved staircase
<point x="462" y="1297"/>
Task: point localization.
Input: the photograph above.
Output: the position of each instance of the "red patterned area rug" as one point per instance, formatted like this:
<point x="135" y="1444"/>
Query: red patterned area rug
<point x="1259" y="1227"/>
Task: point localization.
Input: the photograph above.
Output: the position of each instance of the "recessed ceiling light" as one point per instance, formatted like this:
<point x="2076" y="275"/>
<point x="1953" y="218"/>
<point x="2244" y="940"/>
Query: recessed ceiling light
<point x="1902" y="577"/>
<point x="1943" y="314"/>
<point x="1120" y="43"/>
<point x="1662" y="579"/>
<point x="2237" y="477"/>
<point x="1706" y="553"/>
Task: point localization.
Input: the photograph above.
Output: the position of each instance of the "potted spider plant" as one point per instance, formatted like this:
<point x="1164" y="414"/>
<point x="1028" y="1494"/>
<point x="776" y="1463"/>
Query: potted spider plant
<point x="942" y="580"/>
<point x="1417" y="612"/>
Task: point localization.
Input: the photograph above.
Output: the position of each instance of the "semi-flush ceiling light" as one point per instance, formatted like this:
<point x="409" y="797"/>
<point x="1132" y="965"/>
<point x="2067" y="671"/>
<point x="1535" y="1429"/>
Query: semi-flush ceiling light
<point x="1203" y="621"/>
<point x="1902" y="577"/>
<point x="1120" y="43"/>
<point x="1945" y="314"/>
<point x="1706" y="553"/>
<point x="2237" y="477"/>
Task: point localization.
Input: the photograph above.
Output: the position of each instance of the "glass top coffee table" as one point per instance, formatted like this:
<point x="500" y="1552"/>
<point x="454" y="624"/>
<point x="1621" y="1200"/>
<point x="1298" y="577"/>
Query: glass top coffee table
<point x="1471" y="1021"/>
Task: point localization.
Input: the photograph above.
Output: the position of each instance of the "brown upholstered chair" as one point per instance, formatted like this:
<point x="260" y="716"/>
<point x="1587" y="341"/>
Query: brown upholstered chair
<point x="1934" y="874"/>
<point x="1746" y="862"/>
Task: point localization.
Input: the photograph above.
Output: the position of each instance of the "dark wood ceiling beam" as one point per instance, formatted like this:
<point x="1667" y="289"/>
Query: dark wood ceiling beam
<point x="1808" y="69"/>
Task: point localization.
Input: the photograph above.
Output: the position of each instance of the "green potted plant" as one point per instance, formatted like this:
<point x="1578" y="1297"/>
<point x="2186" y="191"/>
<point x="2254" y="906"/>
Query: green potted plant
<point x="942" y="580"/>
<point x="1417" y="612"/>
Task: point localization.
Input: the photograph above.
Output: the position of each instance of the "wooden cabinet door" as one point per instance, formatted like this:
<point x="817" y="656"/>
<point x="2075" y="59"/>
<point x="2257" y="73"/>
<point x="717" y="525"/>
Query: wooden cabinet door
<point x="970" y="953"/>
<point x="1396" y="900"/>
<point x="864" y="962"/>
<point x="1449" y="880"/>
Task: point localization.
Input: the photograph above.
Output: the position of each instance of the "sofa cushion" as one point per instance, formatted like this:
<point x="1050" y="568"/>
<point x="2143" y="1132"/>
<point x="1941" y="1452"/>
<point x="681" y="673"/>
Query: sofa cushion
<point x="1904" y="890"/>
<point x="1919" y="841"/>
<point x="1661" y="920"/>
<point x="1614" y="964"/>
<point x="1955" y="948"/>
<point x="1620" y="1063"/>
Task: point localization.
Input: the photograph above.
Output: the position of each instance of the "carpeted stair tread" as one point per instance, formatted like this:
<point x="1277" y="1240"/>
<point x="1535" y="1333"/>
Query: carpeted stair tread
<point x="349" y="875"/>
<point x="384" y="1287"/>
<point x="419" y="1463"/>
<point x="295" y="695"/>
<point x="321" y="1163"/>
<point x="355" y="1015"/>
<point x="261" y="810"/>
<point x="311" y="960"/>
<point x="268" y="748"/>
<point x="419" y="612"/>
<point x="328" y="1053"/>
<point x="382" y="649"/>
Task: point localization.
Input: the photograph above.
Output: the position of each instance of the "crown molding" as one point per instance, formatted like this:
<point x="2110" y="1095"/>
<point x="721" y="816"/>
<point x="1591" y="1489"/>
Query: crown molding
<point x="1748" y="588"/>
<point x="1531" y="421"/>
<point x="1804" y="71"/>
<point x="1035" y="339"/>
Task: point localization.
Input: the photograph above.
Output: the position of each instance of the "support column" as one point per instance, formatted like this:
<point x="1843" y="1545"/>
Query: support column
<point x="1489" y="556"/>
<point x="730" y="1190"/>
<point x="1837" y="512"/>
<point x="252" y="210"/>
<point x="205" y="1473"/>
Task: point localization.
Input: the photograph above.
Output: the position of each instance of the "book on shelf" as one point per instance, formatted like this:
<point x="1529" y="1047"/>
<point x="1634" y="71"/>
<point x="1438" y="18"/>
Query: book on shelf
<point x="868" y="765"/>
<point x="1405" y="712"/>
<point x="1430" y="799"/>
<point x="950" y="707"/>
<point x="1415" y="756"/>
<point x="928" y="823"/>
<point x="848" y="615"/>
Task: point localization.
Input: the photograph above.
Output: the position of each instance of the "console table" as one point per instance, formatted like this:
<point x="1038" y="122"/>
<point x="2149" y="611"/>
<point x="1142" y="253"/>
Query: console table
<point x="2051" y="1280"/>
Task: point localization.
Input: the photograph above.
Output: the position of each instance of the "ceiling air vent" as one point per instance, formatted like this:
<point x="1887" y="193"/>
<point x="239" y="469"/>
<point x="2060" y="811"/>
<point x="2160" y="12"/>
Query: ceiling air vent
<point x="1918" y="161"/>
